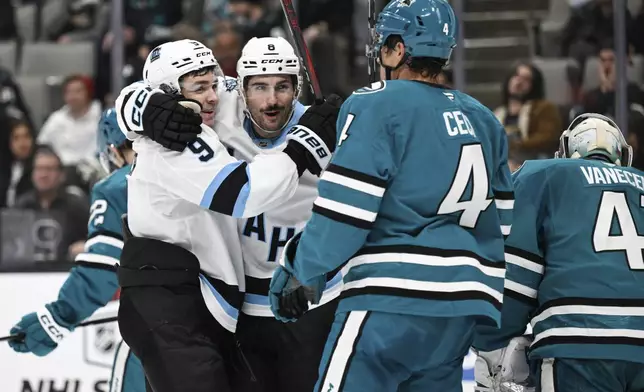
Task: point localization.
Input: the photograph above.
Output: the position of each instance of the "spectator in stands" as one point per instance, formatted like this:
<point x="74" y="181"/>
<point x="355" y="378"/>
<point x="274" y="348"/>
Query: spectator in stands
<point x="588" y="26"/>
<point x="80" y="20"/>
<point x="66" y="206"/>
<point x="253" y="18"/>
<point x="12" y="104"/>
<point x="71" y="130"/>
<point x="227" y="46"/>
<point x="15" y="175"/>
<point x="328" y="27"/>
<point x="602" y="99"/>
<point x="533" y="125"/>
<point x="138" y="17"/>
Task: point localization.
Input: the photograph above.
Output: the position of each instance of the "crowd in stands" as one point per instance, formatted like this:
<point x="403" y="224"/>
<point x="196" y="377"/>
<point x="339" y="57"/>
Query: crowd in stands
<point x="50" y="101"/>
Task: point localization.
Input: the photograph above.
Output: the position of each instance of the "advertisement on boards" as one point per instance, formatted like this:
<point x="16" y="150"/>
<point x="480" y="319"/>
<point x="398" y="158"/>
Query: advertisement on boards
<point x="83" y="361"/>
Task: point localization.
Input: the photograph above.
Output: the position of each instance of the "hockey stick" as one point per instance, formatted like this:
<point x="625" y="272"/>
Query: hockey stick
<point x="21" y="335"/>
<point x="302" y="49"/>
<point x="371" y="56"/>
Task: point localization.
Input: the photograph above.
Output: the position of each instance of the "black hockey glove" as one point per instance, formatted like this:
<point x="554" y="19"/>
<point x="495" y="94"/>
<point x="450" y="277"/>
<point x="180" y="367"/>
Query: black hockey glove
<point x="169" y="123"/>
<point x="294" y="304"/>
<point x="312" y="141"/>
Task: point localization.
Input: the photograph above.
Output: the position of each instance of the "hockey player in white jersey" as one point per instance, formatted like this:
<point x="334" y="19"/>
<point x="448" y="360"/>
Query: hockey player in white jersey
<point x="282" y="357"/>
<point x="181" y="273"/>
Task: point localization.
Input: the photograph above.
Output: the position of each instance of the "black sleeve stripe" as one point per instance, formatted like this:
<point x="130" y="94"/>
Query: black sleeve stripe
<point x="226" y="195"/>
<point x="100" y="266"/>
<point x="532" y="302"/>
<point x="524" y="254"/>
<point x="338" y="217"/>
<point x="502" y="195"/>
<point x="106" y="233"/>
<point x="127" y="98"/>
<point x="356" y="175"/>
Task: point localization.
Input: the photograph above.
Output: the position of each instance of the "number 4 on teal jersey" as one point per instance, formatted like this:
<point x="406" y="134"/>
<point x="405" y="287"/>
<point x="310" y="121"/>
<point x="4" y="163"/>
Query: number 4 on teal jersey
<point x="615" y="205"/>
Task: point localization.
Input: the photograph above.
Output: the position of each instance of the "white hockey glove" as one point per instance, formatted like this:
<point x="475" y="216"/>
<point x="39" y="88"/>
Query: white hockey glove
<point x="505" y="369"/>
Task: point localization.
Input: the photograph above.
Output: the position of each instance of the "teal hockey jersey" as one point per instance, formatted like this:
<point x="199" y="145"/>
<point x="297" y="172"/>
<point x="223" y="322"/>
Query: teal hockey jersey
<point x="414" y="204"/>
<point x="575" y="269"/>
<point x="92" y="283"/>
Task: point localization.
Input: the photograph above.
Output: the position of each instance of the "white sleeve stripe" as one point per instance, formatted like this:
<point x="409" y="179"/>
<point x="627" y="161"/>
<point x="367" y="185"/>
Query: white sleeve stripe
<point x="346" y="209"/>
<point x="524" y="263"/>
<point x="506" y="229"/>
<point x="520" y="288"/>
<point x="592" y="332"/>
<point x="96" y="258"/>
<point x="103" y="239"/>
<point x="588" y="309"/>
<point x="357" y="185"/>
<point x="504" y="204"/>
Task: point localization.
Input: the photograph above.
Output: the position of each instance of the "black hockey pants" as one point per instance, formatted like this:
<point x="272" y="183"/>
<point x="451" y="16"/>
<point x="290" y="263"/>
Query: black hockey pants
<point x="283" y="356"/>
<point x="164" y="320"/>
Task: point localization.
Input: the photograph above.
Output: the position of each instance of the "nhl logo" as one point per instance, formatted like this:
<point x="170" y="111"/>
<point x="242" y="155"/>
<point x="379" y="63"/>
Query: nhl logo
<point x="100" y="343"/>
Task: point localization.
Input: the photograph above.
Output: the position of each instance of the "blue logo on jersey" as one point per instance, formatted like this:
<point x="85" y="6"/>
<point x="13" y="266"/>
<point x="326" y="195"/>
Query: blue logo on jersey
<point x="230" y="84"/>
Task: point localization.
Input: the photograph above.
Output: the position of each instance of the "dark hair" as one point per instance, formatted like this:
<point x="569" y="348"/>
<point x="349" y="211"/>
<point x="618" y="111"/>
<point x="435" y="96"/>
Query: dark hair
<point x="538" y="90"/>
<point x="18" y="122"/>
<point x="292" y="77"/>
<point x="425" y="66"/>
<point x="46" y="149"/>
<point x="198" y="72"/>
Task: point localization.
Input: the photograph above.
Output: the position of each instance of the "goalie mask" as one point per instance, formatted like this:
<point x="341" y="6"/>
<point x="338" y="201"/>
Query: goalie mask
<point x="592" y="134"/>
<point x="266" y="57"/>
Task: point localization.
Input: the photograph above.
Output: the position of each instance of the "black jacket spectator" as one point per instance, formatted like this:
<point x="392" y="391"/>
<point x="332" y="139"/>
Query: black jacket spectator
<point x="7" y="21"/>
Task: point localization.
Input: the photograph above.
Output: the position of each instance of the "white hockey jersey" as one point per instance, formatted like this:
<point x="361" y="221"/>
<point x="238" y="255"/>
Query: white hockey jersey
<point x="189" y="199"/>
<point x="263" y="236"/>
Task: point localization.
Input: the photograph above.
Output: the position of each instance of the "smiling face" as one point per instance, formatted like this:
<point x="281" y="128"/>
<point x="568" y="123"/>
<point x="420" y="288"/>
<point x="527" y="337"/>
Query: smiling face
<point x="270" y="101"/>
<point x="202" y="88"/>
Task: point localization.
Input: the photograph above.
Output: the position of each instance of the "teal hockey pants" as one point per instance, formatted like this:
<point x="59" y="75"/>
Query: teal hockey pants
<point x="127" y="371"/>
<point x="387" y="352"/>
<point x="590" y="375"/>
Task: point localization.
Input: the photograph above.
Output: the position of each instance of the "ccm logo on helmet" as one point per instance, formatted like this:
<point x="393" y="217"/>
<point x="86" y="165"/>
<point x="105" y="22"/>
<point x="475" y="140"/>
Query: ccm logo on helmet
<point x="203" y="54"/>
<point x="272" y="61"/>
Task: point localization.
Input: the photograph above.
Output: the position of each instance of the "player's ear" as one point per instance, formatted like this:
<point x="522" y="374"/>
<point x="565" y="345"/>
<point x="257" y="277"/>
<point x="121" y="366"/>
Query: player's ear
<point x="400" y="49"/>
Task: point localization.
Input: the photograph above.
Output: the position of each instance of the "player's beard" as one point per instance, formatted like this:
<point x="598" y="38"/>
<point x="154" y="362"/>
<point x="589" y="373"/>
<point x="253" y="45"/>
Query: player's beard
<point x="273" y="118"/>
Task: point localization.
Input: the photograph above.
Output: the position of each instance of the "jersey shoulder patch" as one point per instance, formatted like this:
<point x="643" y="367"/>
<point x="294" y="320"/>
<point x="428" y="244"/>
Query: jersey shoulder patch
<point x="372" y="89"/>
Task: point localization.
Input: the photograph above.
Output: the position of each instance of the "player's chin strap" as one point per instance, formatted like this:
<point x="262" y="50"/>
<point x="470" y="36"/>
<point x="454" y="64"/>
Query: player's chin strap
<point x="389" y="70"/>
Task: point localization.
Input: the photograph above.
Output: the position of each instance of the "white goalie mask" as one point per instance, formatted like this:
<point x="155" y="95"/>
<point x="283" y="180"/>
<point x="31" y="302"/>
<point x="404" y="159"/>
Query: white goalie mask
<point x="268" y="56"/>
<point x="593" y="134"/>
<point x="167" y="63"/>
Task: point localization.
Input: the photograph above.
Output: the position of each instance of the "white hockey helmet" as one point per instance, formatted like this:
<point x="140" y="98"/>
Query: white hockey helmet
<point x="168" y="62"/>
<point x="268" y="56"/>
<point x="593" y="134"/>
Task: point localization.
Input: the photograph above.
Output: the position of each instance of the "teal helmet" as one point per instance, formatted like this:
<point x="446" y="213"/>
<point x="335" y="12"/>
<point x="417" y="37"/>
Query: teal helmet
<point x="427" y="27"/>
<point x="592" y="135"/>
<point x="109" y="134"/>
